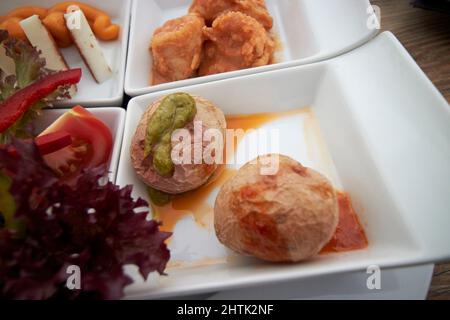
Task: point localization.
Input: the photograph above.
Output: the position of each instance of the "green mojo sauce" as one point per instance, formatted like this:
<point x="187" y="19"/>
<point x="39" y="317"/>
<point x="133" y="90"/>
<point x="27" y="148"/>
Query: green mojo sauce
<point x="175" y="111"/>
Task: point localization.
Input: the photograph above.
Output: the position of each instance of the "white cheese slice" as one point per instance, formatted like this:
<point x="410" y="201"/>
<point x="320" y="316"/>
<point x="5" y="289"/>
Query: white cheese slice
<point x="40" y="38"/>
<point x="87" y="44"/>
<point x="6" y="63"/>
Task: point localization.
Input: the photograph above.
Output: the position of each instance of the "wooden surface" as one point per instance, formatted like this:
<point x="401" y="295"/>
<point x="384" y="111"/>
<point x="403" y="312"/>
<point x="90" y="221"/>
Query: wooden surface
<point x="426" y="35"/>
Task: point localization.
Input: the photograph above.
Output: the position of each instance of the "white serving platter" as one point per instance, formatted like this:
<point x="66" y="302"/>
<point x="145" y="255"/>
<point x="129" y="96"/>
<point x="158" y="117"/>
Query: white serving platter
<point x="405" y="283"/>
<point x="90" y="93"/>
<point x="386" y="129"/>
<point x="308" y="30"/>
<point x="114" y="118"/>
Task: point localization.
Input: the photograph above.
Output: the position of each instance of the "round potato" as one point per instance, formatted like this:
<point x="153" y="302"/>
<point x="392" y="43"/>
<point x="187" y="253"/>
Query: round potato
<point x="185" y="177"/>
<point x="285" y="217"/>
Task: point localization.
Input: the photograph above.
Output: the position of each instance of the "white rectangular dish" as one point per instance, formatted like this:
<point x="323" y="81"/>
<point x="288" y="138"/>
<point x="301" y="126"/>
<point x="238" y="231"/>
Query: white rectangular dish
<point x="114" y="118"/>
<point x="403" y="283"/>
<point x="387" y="131"/>
<point x="90" y="93"/>
<point x="309" y="31"/>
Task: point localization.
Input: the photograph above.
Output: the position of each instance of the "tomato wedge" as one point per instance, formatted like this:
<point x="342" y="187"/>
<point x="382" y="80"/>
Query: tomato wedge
<point x="91" y="143"/>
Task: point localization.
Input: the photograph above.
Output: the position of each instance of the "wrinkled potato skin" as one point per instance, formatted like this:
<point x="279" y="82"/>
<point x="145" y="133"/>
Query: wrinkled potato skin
<point x="287" y="217"/>
<point x="186" y="177"/>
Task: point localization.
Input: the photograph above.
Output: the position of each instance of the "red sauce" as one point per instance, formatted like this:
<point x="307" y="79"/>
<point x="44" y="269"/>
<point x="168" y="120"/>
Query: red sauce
<point x="192" y="203"/>
<point x="349" y="234"/>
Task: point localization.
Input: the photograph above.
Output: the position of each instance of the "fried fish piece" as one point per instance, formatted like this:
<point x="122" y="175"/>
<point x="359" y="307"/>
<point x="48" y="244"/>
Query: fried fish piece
<point x="176" y="48"/>
<point x="236" y="41"/>
<point x="211" y="9"/>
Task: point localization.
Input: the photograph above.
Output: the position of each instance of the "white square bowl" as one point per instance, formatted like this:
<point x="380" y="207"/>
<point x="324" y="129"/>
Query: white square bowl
<point x="114" y="118"/>
<point x="309" y="31"/>
<point x="90" y="93"/>
<point x="387" y="129"/>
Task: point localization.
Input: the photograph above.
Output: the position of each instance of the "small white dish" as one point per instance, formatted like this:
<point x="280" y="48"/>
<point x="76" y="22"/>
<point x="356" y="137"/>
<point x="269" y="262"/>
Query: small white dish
<point x="309" y="31"/>
<point x="387" y="130"/>
<point x="114" y="118"/>
<point x="90" y="93"/>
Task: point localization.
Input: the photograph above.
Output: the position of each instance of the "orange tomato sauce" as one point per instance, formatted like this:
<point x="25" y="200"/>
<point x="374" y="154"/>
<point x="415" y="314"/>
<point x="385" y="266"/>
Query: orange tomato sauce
<point x="349" y="234"/>
<point x="192" y="203"/>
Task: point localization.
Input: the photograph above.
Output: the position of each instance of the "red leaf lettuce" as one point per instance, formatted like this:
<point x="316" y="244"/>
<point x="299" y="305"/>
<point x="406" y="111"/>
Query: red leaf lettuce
<point x="91" y="225"/>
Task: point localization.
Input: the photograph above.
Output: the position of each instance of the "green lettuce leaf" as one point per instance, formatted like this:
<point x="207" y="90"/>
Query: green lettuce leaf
<point x="7" y="85"/>
<point x="30" y="67"/>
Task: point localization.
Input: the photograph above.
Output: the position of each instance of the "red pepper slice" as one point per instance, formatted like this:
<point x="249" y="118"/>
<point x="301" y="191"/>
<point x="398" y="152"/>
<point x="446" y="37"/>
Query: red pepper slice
<point x="52" y="142"/>
<point x="48" y="143"/>
<point x="16" y="105"/>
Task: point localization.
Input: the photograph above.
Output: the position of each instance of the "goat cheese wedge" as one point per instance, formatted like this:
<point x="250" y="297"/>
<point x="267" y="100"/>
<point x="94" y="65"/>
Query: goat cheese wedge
<point x="40" y="38"/>
<point x="87" y="44"/>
